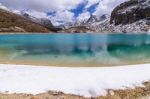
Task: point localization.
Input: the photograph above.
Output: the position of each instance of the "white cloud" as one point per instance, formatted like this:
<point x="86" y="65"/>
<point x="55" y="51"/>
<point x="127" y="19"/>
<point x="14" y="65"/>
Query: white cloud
<point x="91" y="2"/>
<point x="62" y="8"/>
<point x="62" y="17"/>
<point x="106" y="6"/>
<point x="83" y="16"/>
<point x="39" y="8"/>
<point x="42" y="5"/>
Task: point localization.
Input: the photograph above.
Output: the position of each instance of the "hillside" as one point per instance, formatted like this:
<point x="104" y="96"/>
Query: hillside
<point x="11" y="22"/>
<point x="132" y="16"/>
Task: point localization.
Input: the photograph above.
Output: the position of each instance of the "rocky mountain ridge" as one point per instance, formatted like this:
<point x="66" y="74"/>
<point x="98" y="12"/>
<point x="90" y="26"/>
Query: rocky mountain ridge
<point x="11" y="22"/>
<point x="45" y="22"/>
<point x="130" y="11"/>
<point x="132" y="16"/>
<point x="14" y="22"/>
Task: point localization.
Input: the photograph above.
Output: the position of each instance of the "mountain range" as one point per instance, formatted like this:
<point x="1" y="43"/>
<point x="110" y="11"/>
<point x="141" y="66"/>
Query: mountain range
<point x="132" y="16"/>
<point x="129" y="17"/>
<point x="13" y="22"/>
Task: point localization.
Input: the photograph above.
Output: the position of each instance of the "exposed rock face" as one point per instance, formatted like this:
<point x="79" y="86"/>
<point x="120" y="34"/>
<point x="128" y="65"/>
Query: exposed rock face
<point x="13" y="29"/>
<point x="129" y="17"/>
<point x="90" y="25"/>
<point x="46" y="23"/>
<point x="41" y="21"/>
<point x="104" y="17"/>
<point x="77" y="29"/>
<point x="11" y="22"/>
<point x="131" y="11"/>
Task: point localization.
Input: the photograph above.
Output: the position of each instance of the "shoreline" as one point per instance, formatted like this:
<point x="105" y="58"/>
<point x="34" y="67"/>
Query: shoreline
<point x="77" y="65"/>
<point x="132" y="33"/>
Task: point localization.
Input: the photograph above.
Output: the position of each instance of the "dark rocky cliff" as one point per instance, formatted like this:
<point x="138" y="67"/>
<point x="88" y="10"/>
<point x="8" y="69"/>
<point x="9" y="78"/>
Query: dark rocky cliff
<point x="131" y="11"/>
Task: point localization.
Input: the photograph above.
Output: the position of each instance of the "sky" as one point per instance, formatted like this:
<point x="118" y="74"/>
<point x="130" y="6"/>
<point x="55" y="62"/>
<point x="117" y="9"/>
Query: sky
<point x="63" y="11"/>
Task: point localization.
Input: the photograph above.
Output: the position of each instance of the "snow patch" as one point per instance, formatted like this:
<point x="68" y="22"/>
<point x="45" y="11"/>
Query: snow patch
<point x="79" y="81"/>
<point x="149" y="31"/>
<point x="3" y="7"/>
<point x="128" y="9"/>
<point x="141" y="26"/>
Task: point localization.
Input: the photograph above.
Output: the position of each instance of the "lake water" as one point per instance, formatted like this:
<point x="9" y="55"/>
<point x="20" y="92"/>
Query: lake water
<point x="75" y="49"/>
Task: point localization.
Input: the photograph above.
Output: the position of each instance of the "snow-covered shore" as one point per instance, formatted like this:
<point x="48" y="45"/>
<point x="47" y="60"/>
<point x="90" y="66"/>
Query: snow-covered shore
<point x="79" y="81"/>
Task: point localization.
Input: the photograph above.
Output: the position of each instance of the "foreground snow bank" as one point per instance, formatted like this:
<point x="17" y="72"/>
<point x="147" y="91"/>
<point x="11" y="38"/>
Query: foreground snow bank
<point x="79" y="81"/>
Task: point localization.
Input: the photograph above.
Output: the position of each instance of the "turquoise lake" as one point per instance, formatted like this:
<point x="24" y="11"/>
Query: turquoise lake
<point x="75" y="49"/>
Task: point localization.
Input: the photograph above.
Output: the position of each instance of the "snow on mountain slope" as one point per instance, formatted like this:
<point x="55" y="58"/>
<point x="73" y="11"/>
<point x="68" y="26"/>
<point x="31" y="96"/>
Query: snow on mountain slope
<point x="92" y="19"/>
<point x="4" y="7"/>
<point x="43" y="21"/>
<point x="141" y="26"/>
<point x="101" y="26"/>
<point x="132" y="16"/>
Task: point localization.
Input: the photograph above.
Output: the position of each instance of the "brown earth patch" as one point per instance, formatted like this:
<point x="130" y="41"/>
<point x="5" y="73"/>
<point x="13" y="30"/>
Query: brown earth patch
<point x="137" y="93"/>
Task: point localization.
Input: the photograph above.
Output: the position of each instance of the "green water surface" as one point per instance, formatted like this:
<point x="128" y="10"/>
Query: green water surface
<point x="75" y="49"/>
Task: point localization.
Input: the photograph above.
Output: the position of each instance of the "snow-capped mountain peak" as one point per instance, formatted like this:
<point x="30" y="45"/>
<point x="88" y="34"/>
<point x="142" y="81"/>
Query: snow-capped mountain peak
<point x="92" y="19"/>
<point x="42" y="21"/>
<point x="132" y="16"/>
<point x="104" y="17"/>
<point x="4" y="7"/>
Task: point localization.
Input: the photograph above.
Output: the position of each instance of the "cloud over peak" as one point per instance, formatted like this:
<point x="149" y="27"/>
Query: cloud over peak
<point x="63" y="11"/>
